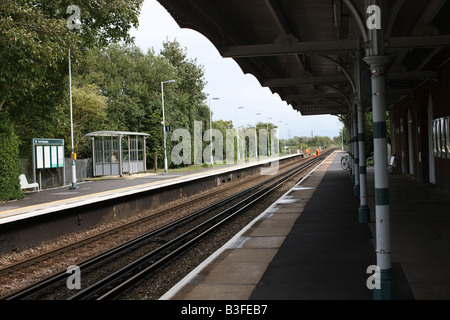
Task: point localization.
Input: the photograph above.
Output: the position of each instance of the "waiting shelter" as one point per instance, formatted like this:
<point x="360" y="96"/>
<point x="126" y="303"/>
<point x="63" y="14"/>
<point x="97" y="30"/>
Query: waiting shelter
<point x="118" y="152"/>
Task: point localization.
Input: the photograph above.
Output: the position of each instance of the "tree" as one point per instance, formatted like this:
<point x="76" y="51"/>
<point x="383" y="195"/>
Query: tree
<point x="190" y="98"/>
<point x="35" y="39"/>
<point x="9" y="161"/>
<point x="34" y="46"/>
<point x="130" y="80"/>
<point x="186" y="95"/>
<point x="89" y="114"/>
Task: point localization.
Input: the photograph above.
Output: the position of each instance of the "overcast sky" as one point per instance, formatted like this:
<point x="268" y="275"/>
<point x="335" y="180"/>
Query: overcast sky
<point x="226" y="81"/>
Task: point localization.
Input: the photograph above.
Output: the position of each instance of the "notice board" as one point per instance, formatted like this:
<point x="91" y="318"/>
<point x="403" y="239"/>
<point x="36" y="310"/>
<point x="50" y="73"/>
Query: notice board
<point x="48" y="153"/>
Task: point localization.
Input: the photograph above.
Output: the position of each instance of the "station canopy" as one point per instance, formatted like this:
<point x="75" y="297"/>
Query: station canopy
<point x="115" y="134"/>
<point x="306" y="50"/>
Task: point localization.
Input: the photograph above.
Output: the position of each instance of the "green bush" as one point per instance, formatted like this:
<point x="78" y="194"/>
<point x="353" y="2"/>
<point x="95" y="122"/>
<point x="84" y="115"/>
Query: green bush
<point x="9" y="161"/>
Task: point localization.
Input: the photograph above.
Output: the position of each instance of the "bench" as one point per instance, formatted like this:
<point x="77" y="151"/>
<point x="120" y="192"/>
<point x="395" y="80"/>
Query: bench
<point x="24" y="183"/>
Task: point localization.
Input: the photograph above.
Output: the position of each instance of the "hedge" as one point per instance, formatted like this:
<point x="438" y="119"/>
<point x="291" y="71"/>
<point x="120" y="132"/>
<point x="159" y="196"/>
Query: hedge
<point x="9" y="161"/>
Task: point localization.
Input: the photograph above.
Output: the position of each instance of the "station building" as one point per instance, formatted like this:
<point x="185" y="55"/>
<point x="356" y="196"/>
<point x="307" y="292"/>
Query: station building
<point x="420" y="125"/>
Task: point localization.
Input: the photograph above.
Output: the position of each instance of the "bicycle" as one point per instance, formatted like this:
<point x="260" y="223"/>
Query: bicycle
<point x="370" y="162"/>
<point x="393" y="163"/>
<point x="345" y="162"/>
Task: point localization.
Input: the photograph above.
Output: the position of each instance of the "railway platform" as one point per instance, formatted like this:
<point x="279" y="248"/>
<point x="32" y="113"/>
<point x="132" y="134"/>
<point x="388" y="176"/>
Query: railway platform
<point x="107" y="188"/>
<point x="310" y="246"/>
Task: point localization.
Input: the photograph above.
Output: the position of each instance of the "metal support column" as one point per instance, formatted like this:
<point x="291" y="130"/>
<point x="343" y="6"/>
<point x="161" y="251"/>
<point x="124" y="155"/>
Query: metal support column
<point x="145" y="155"/>
<point x="93" y="158"/>
<point x="386" y="282"/>
<point x="129" y="156"/>
<point x="120" y="156"/>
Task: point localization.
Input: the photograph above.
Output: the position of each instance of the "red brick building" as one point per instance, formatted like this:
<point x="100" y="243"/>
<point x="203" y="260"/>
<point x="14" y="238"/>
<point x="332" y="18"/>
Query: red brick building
<point x="420" y="126"/>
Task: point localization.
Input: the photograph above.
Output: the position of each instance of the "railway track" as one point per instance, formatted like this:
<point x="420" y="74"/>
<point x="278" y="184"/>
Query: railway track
<point x="158" y="247"/>
<point x="64" y="249"/>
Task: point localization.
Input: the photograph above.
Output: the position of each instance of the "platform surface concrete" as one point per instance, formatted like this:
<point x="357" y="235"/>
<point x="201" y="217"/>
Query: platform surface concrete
<point x="310" y="246"/>
<point x="420" y="236"/>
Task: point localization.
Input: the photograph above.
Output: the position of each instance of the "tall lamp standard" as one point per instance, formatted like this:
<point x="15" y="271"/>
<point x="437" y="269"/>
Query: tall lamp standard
<point x="73" y="155"/>
<point x="166" y="169"/>
<point x="210" y="130"/>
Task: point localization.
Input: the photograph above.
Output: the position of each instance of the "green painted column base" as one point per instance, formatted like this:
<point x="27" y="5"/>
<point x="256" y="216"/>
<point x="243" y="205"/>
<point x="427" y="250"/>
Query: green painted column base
<point x="364" y="214"/>
<point x="388" y="286"/>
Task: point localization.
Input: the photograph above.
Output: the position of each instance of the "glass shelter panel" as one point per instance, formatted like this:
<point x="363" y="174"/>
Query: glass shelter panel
<point x="117" y="152"/>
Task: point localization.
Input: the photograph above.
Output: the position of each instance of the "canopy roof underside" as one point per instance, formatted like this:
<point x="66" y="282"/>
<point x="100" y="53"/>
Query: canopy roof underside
<point x="306" y="51"/>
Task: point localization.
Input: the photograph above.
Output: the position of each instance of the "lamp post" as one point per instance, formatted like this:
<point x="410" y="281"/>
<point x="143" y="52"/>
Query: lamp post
<point x="73" y="154"/>
<point x="210" y="130"/>
<point x="166" y="169"/>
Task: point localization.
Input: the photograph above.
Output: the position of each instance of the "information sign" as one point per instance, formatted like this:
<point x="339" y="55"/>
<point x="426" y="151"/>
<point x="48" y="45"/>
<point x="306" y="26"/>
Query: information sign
<point x="48" y="153"/>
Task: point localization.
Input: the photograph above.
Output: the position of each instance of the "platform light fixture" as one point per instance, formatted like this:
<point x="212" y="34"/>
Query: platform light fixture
<point x="73" y="154"/>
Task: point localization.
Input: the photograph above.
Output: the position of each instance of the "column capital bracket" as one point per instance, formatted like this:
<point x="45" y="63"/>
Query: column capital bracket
<point x="377" y="61"/>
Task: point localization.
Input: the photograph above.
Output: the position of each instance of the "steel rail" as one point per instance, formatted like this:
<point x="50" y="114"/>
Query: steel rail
<point x="5" y="271"/>
<point x="90" y="263"/>
<point x="178" y="245"/>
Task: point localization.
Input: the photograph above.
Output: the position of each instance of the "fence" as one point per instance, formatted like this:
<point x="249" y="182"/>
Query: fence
<point x="52" y="178"/>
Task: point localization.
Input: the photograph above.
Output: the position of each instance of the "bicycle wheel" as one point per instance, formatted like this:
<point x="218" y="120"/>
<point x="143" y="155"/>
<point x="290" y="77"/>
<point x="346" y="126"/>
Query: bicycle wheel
<point x="370" y="162"/>
<point x="345" y="162"/>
